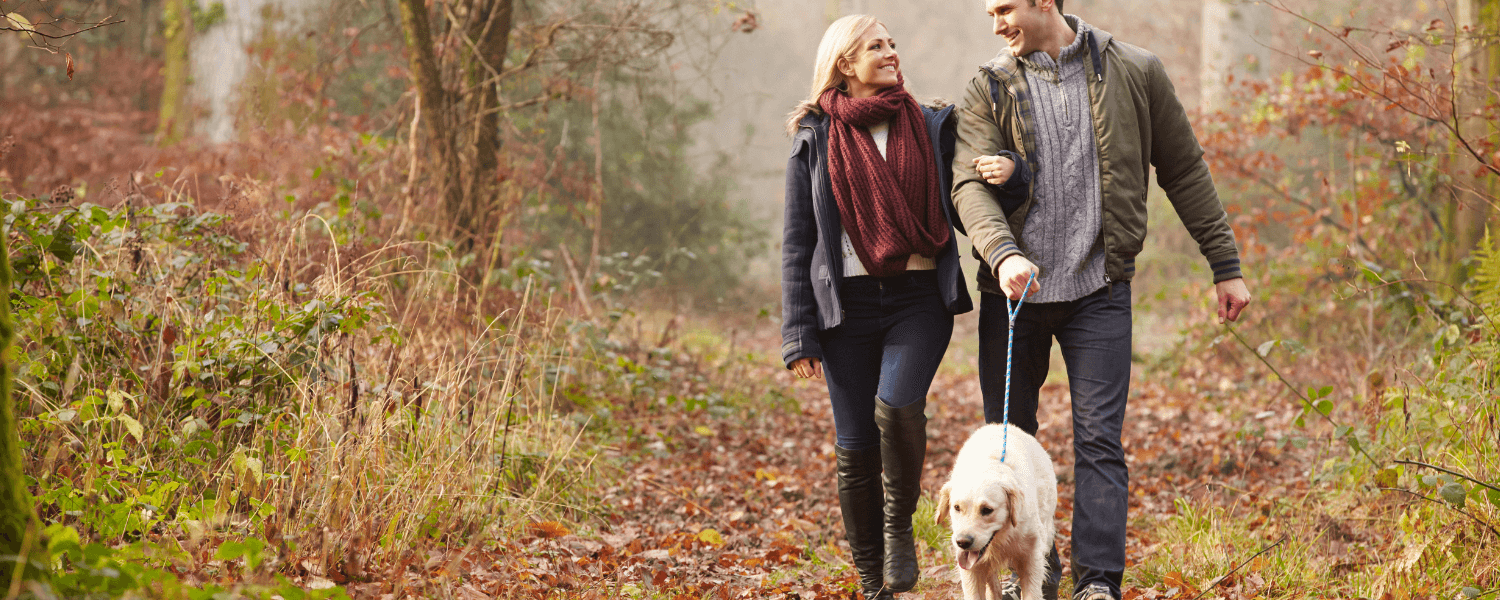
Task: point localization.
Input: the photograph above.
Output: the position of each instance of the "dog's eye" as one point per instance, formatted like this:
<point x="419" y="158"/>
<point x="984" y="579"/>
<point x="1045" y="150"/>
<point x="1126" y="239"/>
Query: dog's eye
<point x="985" y="511"/>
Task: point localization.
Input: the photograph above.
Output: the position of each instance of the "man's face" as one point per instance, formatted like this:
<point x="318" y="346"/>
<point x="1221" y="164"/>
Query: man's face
<point x="1022" y="25"/>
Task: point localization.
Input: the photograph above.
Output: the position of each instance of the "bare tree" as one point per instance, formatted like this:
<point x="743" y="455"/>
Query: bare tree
<point x="177" y="28"/>
<point x="465" y="87"/>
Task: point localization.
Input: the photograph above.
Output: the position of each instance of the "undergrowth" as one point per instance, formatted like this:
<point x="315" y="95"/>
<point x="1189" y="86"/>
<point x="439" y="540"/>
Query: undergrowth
<point x="202" y="405"/>
<point x="1401" y="495"/>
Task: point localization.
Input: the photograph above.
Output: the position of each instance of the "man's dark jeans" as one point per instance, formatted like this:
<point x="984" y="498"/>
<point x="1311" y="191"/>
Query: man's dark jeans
<point x="1094" y="333"/>
<point x="894" y="333"/>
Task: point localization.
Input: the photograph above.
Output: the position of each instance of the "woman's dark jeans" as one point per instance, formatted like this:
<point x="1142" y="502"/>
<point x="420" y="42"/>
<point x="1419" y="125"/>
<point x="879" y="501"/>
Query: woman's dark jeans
<point x="894" y="334"/>
<point x="1094" y="333"/>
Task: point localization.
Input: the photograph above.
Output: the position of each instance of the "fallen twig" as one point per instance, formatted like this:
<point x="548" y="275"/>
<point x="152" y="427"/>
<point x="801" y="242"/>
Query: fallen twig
<point x="664" y="488"/>
<point x="1299" y="395"/>
<point x="1237" y="567"/>
<point x="1455" y="508"/>
<point x="1448" y="471"/>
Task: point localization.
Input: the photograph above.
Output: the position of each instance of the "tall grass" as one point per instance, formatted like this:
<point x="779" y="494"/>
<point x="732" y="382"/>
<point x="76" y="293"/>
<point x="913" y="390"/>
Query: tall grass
<point x="188" y="376"/>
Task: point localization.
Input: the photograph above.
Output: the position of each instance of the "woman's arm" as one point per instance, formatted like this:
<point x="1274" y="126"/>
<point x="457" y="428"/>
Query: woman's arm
<point x="799" y="309"/>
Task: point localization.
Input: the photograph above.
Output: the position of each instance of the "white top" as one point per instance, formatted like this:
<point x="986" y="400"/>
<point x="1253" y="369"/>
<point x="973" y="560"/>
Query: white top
<point x="852" y="265"/>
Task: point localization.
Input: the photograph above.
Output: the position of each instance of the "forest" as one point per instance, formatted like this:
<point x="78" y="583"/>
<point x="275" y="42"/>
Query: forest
<point x="471" y="299"/>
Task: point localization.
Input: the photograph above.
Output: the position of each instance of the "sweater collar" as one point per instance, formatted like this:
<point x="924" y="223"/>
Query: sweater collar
<point x="1041" y="61"/>
<point x="1005" y="66"/>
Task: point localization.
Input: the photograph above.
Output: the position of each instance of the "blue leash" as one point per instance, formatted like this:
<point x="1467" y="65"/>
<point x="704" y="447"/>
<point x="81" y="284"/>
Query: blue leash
<point x="1010" y="343"/>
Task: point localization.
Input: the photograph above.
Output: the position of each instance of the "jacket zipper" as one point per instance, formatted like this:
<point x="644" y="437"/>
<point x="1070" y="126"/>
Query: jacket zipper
<point x="1099" y="162"/>
<point x="819" y="174"/>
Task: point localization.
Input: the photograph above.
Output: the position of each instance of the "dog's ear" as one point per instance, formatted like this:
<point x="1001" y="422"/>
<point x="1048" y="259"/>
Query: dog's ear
<point x="940" y="513"/>
<point x="1012" y="500"/>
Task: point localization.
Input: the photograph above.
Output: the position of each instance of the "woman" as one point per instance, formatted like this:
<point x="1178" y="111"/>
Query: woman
<point x="871" y="281"/>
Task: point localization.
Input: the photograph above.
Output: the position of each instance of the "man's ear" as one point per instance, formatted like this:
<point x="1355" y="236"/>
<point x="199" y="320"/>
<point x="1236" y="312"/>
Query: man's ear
<point x="1011" y="501"/>
<point x="940" y="513"/>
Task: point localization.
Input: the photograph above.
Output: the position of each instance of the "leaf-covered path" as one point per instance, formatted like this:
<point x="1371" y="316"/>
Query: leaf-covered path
<point x="746" y="508"/>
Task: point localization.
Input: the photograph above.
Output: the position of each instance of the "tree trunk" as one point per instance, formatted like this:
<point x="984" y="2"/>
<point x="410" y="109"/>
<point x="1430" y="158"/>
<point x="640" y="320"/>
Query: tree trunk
<point x="1478" y="70"/>
<point x="489" y="31"/>
<point x="598" y="177"/>
<point x="20" y="531"/>
<point x="176" y="27"/>
<point x="1236" y="36"/>
<point x="144" y="27"/>
<point x="437" y="113"/>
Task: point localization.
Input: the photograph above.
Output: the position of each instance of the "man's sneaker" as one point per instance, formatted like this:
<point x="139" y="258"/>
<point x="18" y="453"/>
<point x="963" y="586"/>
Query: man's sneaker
<point x="1010" y="589"/>
<point x="1093" y="591"/>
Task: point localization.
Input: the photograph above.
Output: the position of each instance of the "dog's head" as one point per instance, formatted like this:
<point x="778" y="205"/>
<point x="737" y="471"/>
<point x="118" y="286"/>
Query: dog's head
<point x="980" y="510"/>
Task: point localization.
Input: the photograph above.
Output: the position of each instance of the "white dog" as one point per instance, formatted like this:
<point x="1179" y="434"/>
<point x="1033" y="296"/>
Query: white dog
<point x="1001" y="511"/>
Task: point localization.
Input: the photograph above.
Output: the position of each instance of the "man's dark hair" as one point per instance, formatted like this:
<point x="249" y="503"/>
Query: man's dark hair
<point x="1057" y="2"/>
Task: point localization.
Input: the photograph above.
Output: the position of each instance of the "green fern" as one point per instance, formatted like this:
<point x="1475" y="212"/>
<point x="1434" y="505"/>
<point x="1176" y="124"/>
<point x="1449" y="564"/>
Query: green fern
<point x="1484" y="280"/>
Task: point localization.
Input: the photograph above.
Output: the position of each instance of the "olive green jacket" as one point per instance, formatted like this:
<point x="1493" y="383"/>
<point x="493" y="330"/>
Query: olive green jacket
<point x="1138" y="123"/>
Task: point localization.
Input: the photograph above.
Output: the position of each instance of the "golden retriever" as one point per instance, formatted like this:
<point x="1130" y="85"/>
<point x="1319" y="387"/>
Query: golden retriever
<point x="1001" y="511"/>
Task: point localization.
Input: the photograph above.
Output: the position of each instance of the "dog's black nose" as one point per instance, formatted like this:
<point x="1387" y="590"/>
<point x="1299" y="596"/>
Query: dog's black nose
<point x="963" y="542"/>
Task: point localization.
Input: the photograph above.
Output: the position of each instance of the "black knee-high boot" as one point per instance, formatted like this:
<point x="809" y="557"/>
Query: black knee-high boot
<point x="903" y="447"/>
<point x="861" y="501"/>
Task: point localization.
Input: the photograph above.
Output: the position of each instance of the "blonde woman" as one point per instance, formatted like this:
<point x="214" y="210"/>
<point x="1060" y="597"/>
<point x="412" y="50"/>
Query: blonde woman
<point x="871" y="281"/>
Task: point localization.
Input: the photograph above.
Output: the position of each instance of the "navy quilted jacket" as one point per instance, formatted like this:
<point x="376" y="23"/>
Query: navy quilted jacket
<point x="811" y="263"/>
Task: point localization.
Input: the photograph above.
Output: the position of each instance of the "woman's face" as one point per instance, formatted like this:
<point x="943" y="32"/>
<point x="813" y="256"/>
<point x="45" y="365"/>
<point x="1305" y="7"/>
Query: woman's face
<point x="876" y="65"/>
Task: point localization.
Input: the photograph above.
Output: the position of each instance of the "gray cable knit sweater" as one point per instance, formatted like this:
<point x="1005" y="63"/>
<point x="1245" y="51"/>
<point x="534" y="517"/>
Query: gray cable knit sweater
<point x="1061" y="234"/>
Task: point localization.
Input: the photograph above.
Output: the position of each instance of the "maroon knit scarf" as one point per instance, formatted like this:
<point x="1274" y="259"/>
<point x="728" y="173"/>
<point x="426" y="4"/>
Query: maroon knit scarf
<point x="890" y="206"/>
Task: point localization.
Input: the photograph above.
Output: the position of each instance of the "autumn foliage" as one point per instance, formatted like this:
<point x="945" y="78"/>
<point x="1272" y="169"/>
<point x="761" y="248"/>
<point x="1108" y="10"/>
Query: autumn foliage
<point x="269" y="366"/>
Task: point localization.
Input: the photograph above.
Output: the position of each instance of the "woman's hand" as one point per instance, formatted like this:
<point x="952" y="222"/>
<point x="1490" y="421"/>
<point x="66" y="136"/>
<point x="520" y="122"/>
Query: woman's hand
<point x="807" y="368"/>
<point x="996" y="170"/>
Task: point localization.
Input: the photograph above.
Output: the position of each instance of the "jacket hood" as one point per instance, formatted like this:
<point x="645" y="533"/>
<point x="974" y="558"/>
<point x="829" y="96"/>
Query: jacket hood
<point x="1004" y="66"/>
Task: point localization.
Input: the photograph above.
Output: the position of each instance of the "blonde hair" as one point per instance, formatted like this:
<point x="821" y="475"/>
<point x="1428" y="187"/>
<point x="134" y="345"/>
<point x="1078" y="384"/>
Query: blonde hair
<point x="840" y="42"/>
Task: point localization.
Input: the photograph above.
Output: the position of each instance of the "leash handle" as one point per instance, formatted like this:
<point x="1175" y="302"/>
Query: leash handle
<point x="1010" y="342"/>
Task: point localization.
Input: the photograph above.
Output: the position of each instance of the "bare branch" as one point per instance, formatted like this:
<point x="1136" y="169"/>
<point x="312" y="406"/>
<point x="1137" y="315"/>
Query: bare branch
<point x="1448" y="471"/>
<point x="1447" y="116"/>
<point x="62" y="36"/>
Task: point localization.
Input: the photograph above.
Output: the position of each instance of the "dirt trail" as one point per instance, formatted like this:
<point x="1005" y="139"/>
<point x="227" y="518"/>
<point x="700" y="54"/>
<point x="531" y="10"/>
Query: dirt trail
<point x="746" y="508"/>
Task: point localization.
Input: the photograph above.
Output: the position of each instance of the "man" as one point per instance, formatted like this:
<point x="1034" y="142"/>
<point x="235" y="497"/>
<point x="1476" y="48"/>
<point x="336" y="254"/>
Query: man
<point x="1055" y="139"/>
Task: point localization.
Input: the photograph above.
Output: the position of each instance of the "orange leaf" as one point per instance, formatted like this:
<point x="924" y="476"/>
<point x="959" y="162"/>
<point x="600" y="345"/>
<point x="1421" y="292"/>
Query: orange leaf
<point x="70" y="65"/>
<point x="548" y="529"/>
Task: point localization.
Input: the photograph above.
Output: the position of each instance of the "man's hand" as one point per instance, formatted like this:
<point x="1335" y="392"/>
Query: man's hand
<point x="1013" y="273"/>
<point x="808" y="368"/>
<point x="1233" y="298"/>
<point x="996" y="170"/>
